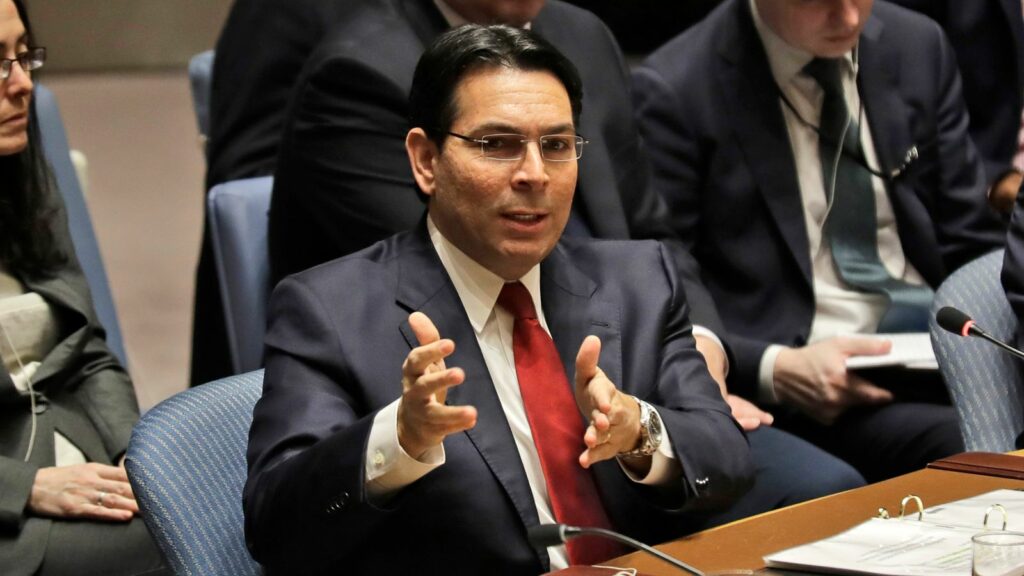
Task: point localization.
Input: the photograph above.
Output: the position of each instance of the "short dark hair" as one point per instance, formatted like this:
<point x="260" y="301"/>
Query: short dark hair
<point x="471" y="47"/>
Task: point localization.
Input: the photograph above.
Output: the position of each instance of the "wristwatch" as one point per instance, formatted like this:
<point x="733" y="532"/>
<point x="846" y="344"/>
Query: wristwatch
<point x="650" y="432"/>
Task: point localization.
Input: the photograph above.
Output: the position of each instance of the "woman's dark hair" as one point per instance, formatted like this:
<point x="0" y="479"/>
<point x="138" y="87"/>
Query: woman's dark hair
<point x="27" y="244"/>
<point x="466" y="48"/>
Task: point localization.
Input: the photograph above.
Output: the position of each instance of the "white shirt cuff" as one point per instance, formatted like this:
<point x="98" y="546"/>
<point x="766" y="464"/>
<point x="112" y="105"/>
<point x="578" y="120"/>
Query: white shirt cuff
<point x="766" y="375"/>
<point x="699" y="330"/>
<point x="388" y="467"/>
<point x="665" y="467"/>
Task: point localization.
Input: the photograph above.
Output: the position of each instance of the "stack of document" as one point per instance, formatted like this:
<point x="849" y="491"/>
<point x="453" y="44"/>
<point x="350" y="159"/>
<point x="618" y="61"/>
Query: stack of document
<point x="937" y="544"/>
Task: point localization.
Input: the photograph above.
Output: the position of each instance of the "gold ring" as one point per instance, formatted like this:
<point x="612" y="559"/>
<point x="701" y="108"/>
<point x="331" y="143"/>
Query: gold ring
<point x="100" y="497"/>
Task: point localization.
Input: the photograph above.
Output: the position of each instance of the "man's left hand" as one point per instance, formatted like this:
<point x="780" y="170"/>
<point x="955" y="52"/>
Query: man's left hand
<point x="614" y="416"/>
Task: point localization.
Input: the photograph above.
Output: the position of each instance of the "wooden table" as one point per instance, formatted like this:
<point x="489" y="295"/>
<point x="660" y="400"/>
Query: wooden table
<point x="742" y="544"/>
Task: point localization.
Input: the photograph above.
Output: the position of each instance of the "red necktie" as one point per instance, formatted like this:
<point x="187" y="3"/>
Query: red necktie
<point x="557" y="427"/>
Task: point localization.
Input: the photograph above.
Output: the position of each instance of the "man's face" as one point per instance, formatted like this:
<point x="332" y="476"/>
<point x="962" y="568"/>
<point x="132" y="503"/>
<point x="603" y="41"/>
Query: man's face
<point x="825" y="28"/>
<point x="505" y="214"/>
<point x="511" y="12"/>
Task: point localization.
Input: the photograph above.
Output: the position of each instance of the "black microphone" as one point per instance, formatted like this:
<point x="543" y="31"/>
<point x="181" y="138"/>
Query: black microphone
<point x="957" y="322"/>
<point x="547" y="535"/>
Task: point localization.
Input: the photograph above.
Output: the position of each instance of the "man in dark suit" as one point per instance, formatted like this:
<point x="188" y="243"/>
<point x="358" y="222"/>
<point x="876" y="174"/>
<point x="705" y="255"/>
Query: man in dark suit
<point x="344" y="182"/>
<point x="259" y="55"/>
<point x="988" y="37"/>
<point x="417" y="395"/>
<point x="731" y="113"/>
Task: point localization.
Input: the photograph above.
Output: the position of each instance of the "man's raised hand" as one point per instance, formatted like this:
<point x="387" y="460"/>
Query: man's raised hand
<point x="423" y="418"/>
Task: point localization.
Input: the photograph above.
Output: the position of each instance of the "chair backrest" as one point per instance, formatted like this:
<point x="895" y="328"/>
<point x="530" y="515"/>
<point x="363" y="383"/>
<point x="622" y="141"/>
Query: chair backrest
<point x="984" y="382"/>
<point x="237" y="217"/>
<point x="55" y="146"/>
<point x="186" y="463"/>
<point x="200" y="71"/>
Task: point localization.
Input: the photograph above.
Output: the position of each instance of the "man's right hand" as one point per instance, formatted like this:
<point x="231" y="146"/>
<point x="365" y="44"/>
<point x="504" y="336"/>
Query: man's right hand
<point x="815" y="379"/>
<point x="423" y="418"/>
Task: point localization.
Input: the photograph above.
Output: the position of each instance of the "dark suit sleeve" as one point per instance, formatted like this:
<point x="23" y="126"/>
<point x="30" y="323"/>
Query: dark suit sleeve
<point x="1013" y="265"/>
<point x="343" y="160"/>
<point x="16" y="479"/>
<point x="678" y="175"/>
<point x="706" y="438"/>
<point x="307" y="444"/>
<point x="965" y="226"/>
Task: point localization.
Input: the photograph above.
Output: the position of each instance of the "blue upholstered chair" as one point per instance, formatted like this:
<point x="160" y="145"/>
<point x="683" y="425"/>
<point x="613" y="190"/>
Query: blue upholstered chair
<point x="55" y="146"/>
<point x="985" y="383"/>
<point x="200" y="71"/>
<point x="237" y="218"/>
<point x="186" y="463"/>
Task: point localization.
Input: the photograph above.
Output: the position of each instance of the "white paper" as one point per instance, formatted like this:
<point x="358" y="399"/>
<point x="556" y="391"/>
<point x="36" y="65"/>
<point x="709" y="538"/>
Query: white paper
<point x="937" y="545"/>
<point x="910" y="350"/>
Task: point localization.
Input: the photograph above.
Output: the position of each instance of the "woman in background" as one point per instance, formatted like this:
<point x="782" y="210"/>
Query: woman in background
<point x="67" y="406"/>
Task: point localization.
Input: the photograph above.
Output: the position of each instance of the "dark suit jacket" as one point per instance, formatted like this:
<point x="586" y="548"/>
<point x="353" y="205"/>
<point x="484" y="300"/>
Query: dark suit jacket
<point x="710" y="113"/>
<point x="259" y="55"/>
<point x="988" y="38"/>
<point x="343" y="179"/>
<point x="337" y="339"/>
<point x="85" y="395"/>
<point x="1013" y="266"/>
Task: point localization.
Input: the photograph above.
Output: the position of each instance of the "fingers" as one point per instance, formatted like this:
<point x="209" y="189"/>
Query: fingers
<point x="863" y="392"/>
<point x="586" y="360"/>
<point x="433" y="385"/>
<point x="423" y="328"/>
<point x="106" y="472"/>
<point x="864" y="346"/>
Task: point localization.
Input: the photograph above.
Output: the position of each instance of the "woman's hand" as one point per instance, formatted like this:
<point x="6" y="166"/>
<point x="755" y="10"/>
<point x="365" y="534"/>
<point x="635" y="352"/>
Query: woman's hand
<point x="87" y="491"/>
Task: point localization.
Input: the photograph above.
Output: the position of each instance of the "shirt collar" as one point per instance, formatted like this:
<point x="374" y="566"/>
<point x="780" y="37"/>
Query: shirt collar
<point x="455" y="19"/>
<point x="478" y="287"/>
<point x="785" y="60"/>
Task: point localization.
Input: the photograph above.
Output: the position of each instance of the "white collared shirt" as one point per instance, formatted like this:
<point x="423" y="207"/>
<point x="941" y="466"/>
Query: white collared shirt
<point x="389" y="468"/>
<point x="839" y="308"/>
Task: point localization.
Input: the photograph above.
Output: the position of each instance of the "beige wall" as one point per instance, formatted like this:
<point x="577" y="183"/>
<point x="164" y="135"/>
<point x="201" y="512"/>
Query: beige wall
<point x="96" y="35"/>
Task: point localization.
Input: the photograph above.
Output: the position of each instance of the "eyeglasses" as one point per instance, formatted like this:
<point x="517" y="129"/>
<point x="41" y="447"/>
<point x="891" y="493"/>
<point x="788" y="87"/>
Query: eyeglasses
<point x="29" y="60"/>
<point x="553" y="147"/>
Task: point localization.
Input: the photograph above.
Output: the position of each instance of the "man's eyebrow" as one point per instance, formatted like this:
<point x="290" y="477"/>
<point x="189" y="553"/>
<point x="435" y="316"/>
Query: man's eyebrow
<point x="503" y="128"/>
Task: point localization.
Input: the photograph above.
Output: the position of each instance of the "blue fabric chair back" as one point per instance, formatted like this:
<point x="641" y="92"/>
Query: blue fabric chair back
<point x="985" y="383"/>
<point x="200" y="72"/>
<point x="55" y="146"/>
<point x="237" y="218"/>
<point x="186" y="463"/>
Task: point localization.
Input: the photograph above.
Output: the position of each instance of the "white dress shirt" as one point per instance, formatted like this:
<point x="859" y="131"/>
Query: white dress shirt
<point x="389" y="468"/>
<point x="839" y="308"/>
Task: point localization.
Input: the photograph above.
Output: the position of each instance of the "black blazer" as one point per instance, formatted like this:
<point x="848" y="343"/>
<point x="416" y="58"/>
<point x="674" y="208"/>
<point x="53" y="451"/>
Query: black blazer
<point x="988" y="38"/>
<point x="334" y="356"/>
<point x="259" y="56"/>
<point x="710" y="113"/>
<point x="85" y="395"/>
<point x="343" y="179"/>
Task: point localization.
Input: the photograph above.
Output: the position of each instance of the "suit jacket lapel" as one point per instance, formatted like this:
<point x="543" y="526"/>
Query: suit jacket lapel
<point x="887" y="113"/>
<point x="752" y="98"/>
<point x="572" y="314"/>
<point x="424" y="285"/>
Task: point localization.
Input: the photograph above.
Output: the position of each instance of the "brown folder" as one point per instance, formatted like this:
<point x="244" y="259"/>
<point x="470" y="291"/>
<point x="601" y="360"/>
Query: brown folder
<point x="984" y="463"/>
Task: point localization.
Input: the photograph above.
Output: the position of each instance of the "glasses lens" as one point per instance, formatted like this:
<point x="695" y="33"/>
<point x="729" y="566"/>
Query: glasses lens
<point x="503" y="146"/>
<point x="33" y="59"/>
<point x="5" y="69"/>
<point x="560" y="147"/>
